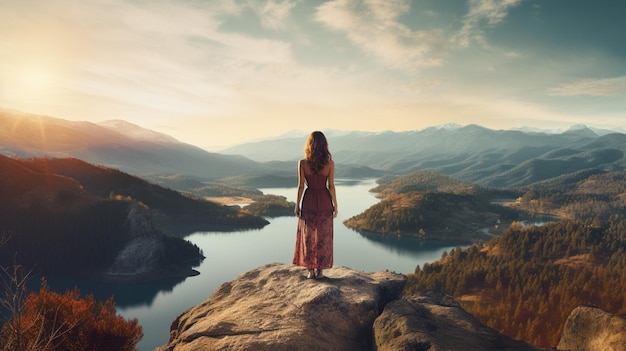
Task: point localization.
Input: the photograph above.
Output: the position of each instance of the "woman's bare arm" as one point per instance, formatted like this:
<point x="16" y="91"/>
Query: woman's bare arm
<point x="301" y="178"/>
<point x="331" y="188"/>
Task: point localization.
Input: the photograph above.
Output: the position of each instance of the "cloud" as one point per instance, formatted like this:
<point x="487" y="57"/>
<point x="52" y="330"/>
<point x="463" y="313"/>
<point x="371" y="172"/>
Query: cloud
<point x="592" y="87"/>
<point x="273" y="14"/>
<point x="163" y="56"/>
<point x="374" y="27"/>
<point x="483" y="13"/>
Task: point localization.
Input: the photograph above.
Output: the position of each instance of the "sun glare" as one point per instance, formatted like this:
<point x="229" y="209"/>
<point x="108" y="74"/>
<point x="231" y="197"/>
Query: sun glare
<point x="34" y="79"/>
<point x="27" y="85"/>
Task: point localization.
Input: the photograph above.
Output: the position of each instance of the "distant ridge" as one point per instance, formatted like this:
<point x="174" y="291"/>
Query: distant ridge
<point x="598" y="131"/>
<point x="136" y="132"/>
<point x="471" y="153"/>
<point x="116" y="144"/>
<point x="445" y="138"/>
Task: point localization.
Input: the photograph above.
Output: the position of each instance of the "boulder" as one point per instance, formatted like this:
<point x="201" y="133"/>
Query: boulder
<point x="592" y="329"/>
<point x="149" y="254"/>
<point x="275" y="307"/>
<point x="432" y="322"/>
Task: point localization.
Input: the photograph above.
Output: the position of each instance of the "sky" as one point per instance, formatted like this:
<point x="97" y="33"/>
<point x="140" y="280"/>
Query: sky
<point x="218" y="73"/>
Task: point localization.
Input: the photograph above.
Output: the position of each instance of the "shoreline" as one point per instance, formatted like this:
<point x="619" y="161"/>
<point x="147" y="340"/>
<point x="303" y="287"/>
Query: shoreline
<point x="230" y="200"/>
<point x="146" y="277"/>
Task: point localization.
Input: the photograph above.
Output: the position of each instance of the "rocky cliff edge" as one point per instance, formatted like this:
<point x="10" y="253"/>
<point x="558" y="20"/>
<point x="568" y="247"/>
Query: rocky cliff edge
<point x="274" y="307"/>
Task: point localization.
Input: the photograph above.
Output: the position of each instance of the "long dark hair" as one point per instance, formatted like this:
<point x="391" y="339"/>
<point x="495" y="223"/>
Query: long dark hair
<point x="316" y="151"/>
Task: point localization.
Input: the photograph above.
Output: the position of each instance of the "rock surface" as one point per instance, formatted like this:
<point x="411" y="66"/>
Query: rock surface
<point x="434" y="322"/>
<point x="592" y="329"/>
<point x="142" y="258"/>
<point x="274" y="307"/>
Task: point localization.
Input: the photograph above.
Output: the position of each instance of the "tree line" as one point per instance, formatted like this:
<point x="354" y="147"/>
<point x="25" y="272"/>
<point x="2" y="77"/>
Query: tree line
<point x="597" y="196"/>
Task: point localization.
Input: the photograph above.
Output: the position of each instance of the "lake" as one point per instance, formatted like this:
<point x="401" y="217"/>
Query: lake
<point x="228" y="255"/>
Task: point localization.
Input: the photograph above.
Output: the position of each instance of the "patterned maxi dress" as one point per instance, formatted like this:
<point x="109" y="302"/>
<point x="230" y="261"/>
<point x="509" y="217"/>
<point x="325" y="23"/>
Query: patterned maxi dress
<point x="314" y="239"/>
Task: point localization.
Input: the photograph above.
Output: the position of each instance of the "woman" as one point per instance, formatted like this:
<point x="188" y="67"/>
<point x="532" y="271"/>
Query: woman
<point x="316" y="206"/>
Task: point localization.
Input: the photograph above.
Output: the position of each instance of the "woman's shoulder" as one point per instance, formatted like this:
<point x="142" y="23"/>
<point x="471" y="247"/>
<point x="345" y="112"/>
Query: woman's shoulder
<point x="303" y="164"/>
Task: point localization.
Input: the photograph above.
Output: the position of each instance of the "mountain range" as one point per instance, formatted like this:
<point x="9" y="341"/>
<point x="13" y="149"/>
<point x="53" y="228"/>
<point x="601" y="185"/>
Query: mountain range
<point x="472" y="153"/>
<point x="116" y="144"/>
<point x="475" y="154"/>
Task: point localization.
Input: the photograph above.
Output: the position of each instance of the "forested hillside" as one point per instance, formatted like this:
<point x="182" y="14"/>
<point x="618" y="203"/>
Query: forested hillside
<point x="433" y="206"/>
<point x="174" y="209"/>
<point x="65" y="216"/>
<point x="585" y="195"/>
<point x="423" y="181"/>
<point x="527" y="281"/>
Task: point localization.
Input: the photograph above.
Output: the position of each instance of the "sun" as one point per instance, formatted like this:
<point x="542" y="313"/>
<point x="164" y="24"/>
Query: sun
<point x="34" y="79"/>
<point x="26" y="85"/>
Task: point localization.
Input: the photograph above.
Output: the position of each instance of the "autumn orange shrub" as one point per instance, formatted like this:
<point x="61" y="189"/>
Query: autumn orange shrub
<point x="50" y="321"/>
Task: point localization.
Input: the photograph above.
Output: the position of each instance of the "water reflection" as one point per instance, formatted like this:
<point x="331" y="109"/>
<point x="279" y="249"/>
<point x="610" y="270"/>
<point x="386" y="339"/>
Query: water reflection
<point x="125" y="294"/>
<point x="406" y="246"/>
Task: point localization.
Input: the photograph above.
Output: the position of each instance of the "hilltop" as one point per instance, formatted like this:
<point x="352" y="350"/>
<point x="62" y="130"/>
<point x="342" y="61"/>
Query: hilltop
<point x="432" y="206"/>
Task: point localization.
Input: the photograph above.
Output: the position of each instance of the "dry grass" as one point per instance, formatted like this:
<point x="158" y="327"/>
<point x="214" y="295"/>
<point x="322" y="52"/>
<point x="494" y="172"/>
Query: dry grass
<point x="492" y="250"/>
<point x="575" y="261"/>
